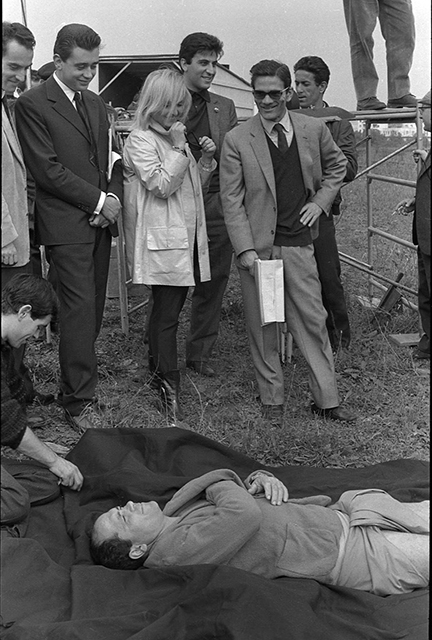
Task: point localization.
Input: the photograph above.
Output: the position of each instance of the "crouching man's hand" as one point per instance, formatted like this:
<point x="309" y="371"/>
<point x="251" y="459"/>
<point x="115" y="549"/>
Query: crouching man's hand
<point x="69" y="475"/>
<point x="274" y="490"/>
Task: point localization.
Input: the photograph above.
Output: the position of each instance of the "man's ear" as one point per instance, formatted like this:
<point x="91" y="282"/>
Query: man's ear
<point x="57" y="61"/>
<point x="24" y="311"/>
<point x="137" y="551"/>
<point x="323" y="87"/>
<point x="183" y="64"/>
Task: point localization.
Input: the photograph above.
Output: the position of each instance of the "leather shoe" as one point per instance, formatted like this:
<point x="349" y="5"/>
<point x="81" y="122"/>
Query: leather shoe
<point x="85" y="420"/>
<point x="42" y="398"/>
<point x="419" y="354"/>
<point x="273" y="413"/>
<point x="405" y="101"/>
<point x="201" y="367"/>
<point x="370" y="104"/>
<point x="335" y="413"/>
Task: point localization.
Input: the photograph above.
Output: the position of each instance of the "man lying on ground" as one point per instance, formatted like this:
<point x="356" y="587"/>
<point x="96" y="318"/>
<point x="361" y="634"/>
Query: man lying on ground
<point x="367" y="540"/>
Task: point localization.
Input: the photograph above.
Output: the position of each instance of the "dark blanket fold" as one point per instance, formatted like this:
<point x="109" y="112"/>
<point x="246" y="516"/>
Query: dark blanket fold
<point x="52" y="590"/>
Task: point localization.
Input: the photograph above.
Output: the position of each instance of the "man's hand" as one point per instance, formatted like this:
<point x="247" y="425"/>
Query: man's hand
<point x="419" y="154"/>
<point x="9" y="254"/>
<point x="247" y="260"/>
<point x="111" y="209"/>
<point x="405" y="206"/>
<point x="99" y="221"/>
<point x="275" y="491"/>
<point x="69" y="474"/>
<point x="208" y="149"/>
<point x="310" y="213"/>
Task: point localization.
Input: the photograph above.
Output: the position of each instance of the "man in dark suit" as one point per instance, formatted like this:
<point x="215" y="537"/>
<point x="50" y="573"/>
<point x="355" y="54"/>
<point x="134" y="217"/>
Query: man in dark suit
<point x="312" y="76"/>
<point x="213" y="116"/>
<point x="421" y="231"/>
<point x="64" y="133"/>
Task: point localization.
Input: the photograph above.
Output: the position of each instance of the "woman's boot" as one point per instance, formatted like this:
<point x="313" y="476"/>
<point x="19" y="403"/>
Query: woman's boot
<point x="169" y="390"/>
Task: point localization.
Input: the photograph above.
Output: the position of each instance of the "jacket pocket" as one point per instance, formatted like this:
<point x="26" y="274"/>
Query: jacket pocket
<point x="160" y="238"/>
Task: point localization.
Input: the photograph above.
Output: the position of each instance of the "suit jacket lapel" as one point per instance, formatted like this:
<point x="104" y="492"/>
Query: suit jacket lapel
<point x="302" y="139"/>
<point x="425" y="165"/>
<point x="63" y="106"/>
<point x="213" y="116"/>
<point x="262" y="153"/>
<point x="92" y="107"/>
<point x="12" y="138"/>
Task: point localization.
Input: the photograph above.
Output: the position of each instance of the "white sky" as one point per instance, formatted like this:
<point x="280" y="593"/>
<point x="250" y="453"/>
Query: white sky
<point x="250" y="29"/>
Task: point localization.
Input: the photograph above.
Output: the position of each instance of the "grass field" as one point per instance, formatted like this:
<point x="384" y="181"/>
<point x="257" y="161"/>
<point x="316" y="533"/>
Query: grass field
<point x="380" y="381"/>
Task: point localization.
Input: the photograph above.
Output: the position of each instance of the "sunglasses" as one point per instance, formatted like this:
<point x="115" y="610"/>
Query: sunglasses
<point x="273" y="95"/>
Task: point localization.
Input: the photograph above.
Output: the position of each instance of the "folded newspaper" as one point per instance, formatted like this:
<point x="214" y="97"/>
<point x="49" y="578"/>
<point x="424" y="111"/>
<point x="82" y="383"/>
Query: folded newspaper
<point x="270" y="288"/>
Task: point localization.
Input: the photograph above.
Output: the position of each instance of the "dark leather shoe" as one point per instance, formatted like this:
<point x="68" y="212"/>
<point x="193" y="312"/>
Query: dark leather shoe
<point x="87" y="419"/>
<point x="419" y="354"/>
<point x="41" y="398"/>
<point x="336" y="413"/>
<point x="201" y="367"/>
<point x="370" y="104"/>
<point x="273" y="413"/>
<point x="405" y="101"/>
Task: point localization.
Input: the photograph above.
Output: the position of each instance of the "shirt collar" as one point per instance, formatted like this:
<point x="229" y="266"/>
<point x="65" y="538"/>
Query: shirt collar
<point x="269" y="124"/>
<point x="69" y="92"/>
<point x="204" y="94"/>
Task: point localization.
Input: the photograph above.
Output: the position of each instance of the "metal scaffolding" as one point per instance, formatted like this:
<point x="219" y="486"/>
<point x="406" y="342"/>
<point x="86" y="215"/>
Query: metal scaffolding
<point x="376" y="279"/>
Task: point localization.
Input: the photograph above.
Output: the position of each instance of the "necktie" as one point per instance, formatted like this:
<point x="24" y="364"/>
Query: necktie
<point x="282" y="141"/>
<point x="82" y="112"/>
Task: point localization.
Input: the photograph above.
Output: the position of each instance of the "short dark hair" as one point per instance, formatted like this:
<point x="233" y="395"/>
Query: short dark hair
<point x="114" y="554"/>
<point x="271" y="68"/>
<point x="196" y="42"/>
<point x="75" y="35"/>
<point x="26" y="288"/>
<point x="20" y="33"/>
<point x="316" y="66"/>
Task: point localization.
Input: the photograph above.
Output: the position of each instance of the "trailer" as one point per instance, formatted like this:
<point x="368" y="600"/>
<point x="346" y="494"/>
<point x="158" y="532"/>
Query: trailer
<point x="119" y="79"/>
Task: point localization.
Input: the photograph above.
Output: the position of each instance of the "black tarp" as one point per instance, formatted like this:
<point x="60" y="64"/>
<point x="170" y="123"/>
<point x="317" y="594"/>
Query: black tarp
<point x="52" y="591"/>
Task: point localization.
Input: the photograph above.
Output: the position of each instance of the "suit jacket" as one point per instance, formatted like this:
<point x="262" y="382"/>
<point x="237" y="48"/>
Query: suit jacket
<point x="221" y="523"/>
<point x="56" y="149"/>
<point x="248" y="188"/>
<point x="15" y="227"/>
<point x="422" y="211"/>
<point x="222" y="118"/>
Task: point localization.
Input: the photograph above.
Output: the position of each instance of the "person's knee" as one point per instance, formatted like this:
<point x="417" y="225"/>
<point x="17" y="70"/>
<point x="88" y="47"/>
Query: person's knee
<point x="15" y="504"/>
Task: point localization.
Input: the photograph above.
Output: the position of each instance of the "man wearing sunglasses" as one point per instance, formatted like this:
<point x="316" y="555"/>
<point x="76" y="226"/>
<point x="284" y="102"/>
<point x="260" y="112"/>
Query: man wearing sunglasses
<point x="280" y="172"/>
<point x="211" y="115"/>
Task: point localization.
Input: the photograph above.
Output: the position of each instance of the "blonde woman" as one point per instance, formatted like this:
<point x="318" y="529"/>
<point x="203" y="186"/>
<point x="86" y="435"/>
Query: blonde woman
<point x="164" y="220"/>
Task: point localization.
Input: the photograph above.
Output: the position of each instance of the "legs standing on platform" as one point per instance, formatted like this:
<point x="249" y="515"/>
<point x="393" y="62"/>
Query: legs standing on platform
<point x="397" y="26"/>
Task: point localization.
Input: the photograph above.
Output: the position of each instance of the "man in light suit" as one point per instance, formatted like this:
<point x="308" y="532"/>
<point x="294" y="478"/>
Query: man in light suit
<point x="64" y="132"/>
<point x="213" y="116"/>
<point x="280" y="172"/>
<point x="17" y="56"/>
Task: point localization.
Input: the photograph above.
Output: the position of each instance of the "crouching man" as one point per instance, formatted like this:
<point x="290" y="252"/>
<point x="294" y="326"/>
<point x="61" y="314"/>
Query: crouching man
<point x="28" y="305"/>
<point x="367" y="540"/>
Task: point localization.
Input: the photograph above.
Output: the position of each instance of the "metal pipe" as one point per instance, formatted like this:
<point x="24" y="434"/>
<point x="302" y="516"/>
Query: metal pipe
<point x="401" y="181"/>
<point x="389" y="236"/>
<point x="382" y="160"/>
<point x="115" y="77"/>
